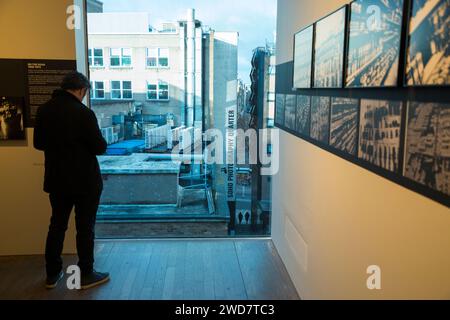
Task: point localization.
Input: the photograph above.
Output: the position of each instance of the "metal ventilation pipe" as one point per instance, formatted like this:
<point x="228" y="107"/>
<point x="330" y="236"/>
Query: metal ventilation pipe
<point x="183" y="70"/>
<point x="190" y="67"/>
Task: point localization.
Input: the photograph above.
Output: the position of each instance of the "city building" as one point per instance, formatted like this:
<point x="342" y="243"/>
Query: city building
<point x="177" y="77"/>
<point x="158" y="70"/>
<point x="254" y="204"/>
<point x="174" y="71"/>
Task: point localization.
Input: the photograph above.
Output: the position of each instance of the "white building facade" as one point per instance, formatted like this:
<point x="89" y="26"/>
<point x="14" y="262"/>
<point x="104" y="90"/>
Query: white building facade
<point x="160" y="71"/>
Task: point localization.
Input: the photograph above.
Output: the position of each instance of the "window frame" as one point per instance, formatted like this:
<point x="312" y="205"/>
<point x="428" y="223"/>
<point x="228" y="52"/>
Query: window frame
<point x="93" y="92"/>
<point x="92" y="57"/>
<point x="121" y="89"/>
<point x="152" y="90"/>
<point x="158" y="57"/>
<point x="130" y="90"/>
<point x="147" y="57"/>
<point x="158" y="90"/>
<point x="120" y="57"/>
<point x="165" y="83"/>
<point x="165" y="57"/>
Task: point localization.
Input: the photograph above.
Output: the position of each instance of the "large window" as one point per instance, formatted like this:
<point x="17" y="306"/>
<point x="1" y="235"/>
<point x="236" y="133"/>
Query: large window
<point x="95" y="57"/>
<point x="158" y="91"/>
<point x="171" y="73"/>
<point x="121" y="57"/>
<point x="121" y="90"/>
<point x="157" y="57"/>
<point x="98" y="90"/>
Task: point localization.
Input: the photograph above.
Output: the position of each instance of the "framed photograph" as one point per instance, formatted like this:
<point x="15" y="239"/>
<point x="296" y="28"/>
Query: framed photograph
<point x="329" y="50"/>
<point x="303" y="114"/>
<point x="379" y="133"/>
<point x="427" y="146"/>
<point x="320" y="119"/>
<point x="374" y="43"/>
<point x="289" y="114"/>
<point x="12" y="118"/>
<point x="303" y="53"/>
<point x="279" y="109"/>
<point x="344" y="124"/>
<point x="428" y="59"/>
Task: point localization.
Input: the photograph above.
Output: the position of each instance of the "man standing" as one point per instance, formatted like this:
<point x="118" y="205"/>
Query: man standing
<point x="68" y="132"/>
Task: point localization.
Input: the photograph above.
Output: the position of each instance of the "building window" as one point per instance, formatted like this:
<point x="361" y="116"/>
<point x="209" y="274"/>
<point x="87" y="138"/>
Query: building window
<point x="271" y="96"/>
<point x="98" y="90"/>
<point x="157" y="57"/>
<point x="158" y="91"/>
<point x="95" y="57"/>
<point x="163" y="90"/>
<point x="127" y="92"/>
<point x="121" y="57"/>
<point x="152" y="58"/>
<point x="152" y="91"/>
<point x="163" y="59"/>
<point x="121" y="90"/>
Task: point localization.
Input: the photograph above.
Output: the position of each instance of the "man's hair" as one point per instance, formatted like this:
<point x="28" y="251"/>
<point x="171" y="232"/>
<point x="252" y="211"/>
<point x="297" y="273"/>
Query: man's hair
<point x="75" y="81"/>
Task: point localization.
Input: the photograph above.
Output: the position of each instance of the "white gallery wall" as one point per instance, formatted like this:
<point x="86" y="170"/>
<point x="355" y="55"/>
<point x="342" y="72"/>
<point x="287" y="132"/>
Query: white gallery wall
<point x="29" y="30"/>
<point x="333" y="219"/>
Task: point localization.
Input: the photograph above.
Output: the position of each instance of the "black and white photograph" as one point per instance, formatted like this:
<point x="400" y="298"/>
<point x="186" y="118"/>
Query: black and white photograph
<point x="289" y="114"/>
<point x="428" y="56"/>
<point x="374" y="43"/>
<point x="320" y="119"/>
<point x="303" y="58"/>
<point x="303" y="114"/>
<point x="344" y="124"/>
<point x="279" y="109"/>
<point x="379" y="142"/>
<point x="329" y="50"/>
<point x="427" y="148"/>
<point x="11" y="118"/>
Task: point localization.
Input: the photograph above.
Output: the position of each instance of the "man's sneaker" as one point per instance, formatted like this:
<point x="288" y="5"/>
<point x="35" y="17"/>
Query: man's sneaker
<point x="93" y="279"/>
<point x="52" y="281"/>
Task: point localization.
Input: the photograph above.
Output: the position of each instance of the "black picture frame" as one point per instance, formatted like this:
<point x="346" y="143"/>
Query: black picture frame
<point x="303" y="115"/>
<point x="380" y="144"/>
<point x="425" y="157"/>
<point x="311" y="66"/>
<point x="396" y="63"/>
<point x="320" y="119"/>
<point x="344" y="40"/>
<point x="290" y="111"/>
<point x="12" y="118"/>
<point x="406" y="52"/>
<point x="342" y="141"/>
<point x="279" y="109"/>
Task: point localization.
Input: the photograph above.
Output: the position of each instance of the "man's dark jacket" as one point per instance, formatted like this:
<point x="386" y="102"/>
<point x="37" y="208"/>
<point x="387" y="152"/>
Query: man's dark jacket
<point x="68" y="132"/>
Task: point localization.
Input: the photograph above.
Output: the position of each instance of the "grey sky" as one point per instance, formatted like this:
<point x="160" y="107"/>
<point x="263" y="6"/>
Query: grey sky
<point x="255" y="20"/>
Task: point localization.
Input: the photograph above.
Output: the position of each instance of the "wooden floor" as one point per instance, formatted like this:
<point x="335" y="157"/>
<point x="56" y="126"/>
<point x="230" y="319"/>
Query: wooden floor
<point x="163" y="269"/>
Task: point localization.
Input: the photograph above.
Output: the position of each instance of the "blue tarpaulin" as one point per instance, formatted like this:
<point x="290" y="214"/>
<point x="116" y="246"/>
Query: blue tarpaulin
<point x="125" y="147"/>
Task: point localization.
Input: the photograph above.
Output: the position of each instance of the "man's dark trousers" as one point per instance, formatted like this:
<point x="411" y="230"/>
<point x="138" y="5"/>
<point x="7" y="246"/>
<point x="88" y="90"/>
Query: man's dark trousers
<point x="86" y="206"/>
